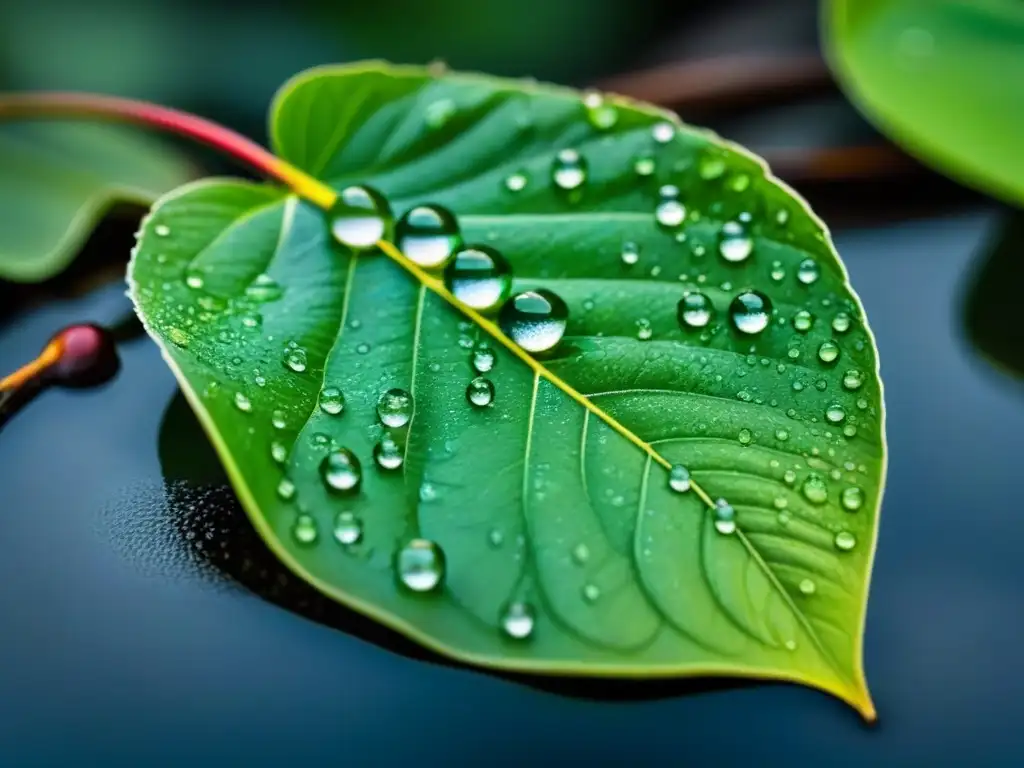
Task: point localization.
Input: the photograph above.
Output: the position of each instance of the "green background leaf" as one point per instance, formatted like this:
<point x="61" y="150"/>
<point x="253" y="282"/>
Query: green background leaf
<point x="943" y="78"/>
<point x="58" y="180"/>
<point x="533" y="498"/>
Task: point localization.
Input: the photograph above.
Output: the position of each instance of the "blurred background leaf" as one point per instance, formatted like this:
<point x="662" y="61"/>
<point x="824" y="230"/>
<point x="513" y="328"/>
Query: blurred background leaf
<point x="943" y="78"/>
<point x="57" y="180"/>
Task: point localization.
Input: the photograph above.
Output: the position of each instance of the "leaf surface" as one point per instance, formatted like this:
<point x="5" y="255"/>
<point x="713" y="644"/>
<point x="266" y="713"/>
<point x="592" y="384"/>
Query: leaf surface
<point x="538" y="498"/>
<point x="943" y="78"/>
<point x="58" y="180"/>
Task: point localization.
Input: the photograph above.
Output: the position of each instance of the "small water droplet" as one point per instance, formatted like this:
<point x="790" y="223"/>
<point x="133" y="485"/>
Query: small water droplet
<point x="332" y="401"/>
<point x="479" y="277"/>
<point x="781" y="435"/>
<point x="808" y="587"/>
<point x="841" y="323"/>
<point x="387" y="453"/>
<point x="694" y="310"/>
<point x="807" y="272"/>
<point x="278" y="452"/>
<point x="803" y="320"/>
<point x="285" y="489"/>
<point x="750" y="312"/>
<point x="782" y="217"/>
<point x="278" y="420"/>
<point x="483" y="358"/>
<point x="845" y="541"/>
<point x="194" y="279"/>
<point x="734" y="244"/>
<point x="161" y="230"/>
<point x="591" y="592"/>
<point x="304" y="530"/>
<point x="679" y="478"/>
<point x="663" y="132"/>
<point x="394" y="408"/>
<point x="630" y="253"/>
<point x="348" y="528"/>
<point x="852" y="498"/>
<point x="263" y="289"/>
<point x="421" y="565"/>
<point x="789" y="476"/>
<point x="711" y="167"/>
<point x="360" y="217"/>
<point x="778" y="273"/>
<point x="670" y="213"/>
<point x="745" y="437"/>
<point x="815" y="489"/>
<point x="429" y="235"/>
<point x="516" y="182"/>
<point x="643" y="165"/>
<point x="242" y="403"/>
<point x="480" y="392"/>
<point x="725" y="517"/>
<point x="835" y="413"/>
<point x="535" y="320"/>
<point x="853" y="380"/>
<point x="295" y="359"/>
<point x="517" y="620"/>
<point x="569" y="170"/>
<point x="600" y="114"/>
<point x="428" y="492"/>
<point x="828" y="352"/>
<point x="643" y="329"/>
<point x="341" y="471"/>
<point x="581" y="553"/>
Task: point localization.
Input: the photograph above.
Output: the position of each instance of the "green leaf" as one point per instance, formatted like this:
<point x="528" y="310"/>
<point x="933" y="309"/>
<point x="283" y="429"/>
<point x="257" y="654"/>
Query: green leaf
<point x="537" y="498"/>
<point x="58" y="180"/>
<point x="943" y="78"/>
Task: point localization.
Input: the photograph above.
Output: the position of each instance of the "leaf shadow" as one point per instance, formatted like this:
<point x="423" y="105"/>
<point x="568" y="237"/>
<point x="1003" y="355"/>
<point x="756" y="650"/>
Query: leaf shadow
<point x="991" y="305"/>
<point x="209" y="524"/>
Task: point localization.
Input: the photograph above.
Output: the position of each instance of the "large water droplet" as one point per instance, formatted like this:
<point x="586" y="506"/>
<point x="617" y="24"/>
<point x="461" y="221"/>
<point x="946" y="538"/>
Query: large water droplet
<point x="828" y="352"/>
<point x="841" y="323"/>
<point x="725" y="517"/>
<point x="600" y="114"/>
<point x="835" y="413"/>
<point x="750" y="312"/>
<point x="734" y="244"/>
<point x="845" y="541"/>
<point x="295" y="359"/>
<point x="517" y="620"/>
<point x="480" y="392"/>
<point x="304" y="530"/>
<point x="242" y="403"/>
<point x="807" y="272"/>
<point x="348" y="528"/>
<point x="535" y="320"/>
<point x="479" y="277"/>
<point x="852" y="498"/>
<point x="569" y="170"/>
<point x="694" y="310"/>
<point x="814" y="489"/>
<point x="679" y="478"/>
<point x="360" y="217"/>
<point x="332" y="401"/>
<point x="483" y="358"/>
<point x="421" y="565"/>
<point x="630" y="254"/>
<point x="394" y="408"/>
<point x="429" y="235"/>
<point x="670" y="213"/>
<point x="853" y="380"/>
<point x="663" y="132"/>
<point x="387" y="453"/>
<point x="341" y="471"/>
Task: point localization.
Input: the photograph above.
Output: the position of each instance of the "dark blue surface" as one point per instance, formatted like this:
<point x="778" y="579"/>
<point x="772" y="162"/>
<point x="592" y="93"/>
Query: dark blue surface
<point x="115" y="650"/>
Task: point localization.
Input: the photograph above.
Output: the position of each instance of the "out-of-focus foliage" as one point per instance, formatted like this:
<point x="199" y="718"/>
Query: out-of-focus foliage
<point x="943" y="78"/>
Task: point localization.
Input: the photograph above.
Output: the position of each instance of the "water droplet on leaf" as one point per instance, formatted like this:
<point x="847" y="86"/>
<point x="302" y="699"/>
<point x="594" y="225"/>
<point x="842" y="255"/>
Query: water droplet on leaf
<point x="679" y="478"/>
<point x="725" y="517"/>
<point x="332" y="401"/>
<point x="569" y="170"/>
<point x="517" y="620"/>
<point x="535" y="320"/>
<point x="694" y="310"/>
<point x="480" y="392"/>
<point x="479" y="277"/>
<point x="429" y="235"/>
<point x="360" y="217"/>
<point x="421" y="565"/>
<point x="348" y="528"/>
<point x="750" y="312"/>
<point x="734" y="244"/>
<point x="394" y="408"/>
<point x="341" y="471"/>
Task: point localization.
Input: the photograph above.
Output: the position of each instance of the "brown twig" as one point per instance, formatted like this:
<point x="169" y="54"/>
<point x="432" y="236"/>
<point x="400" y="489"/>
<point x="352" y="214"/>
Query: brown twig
<point x="724" y="83"/>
